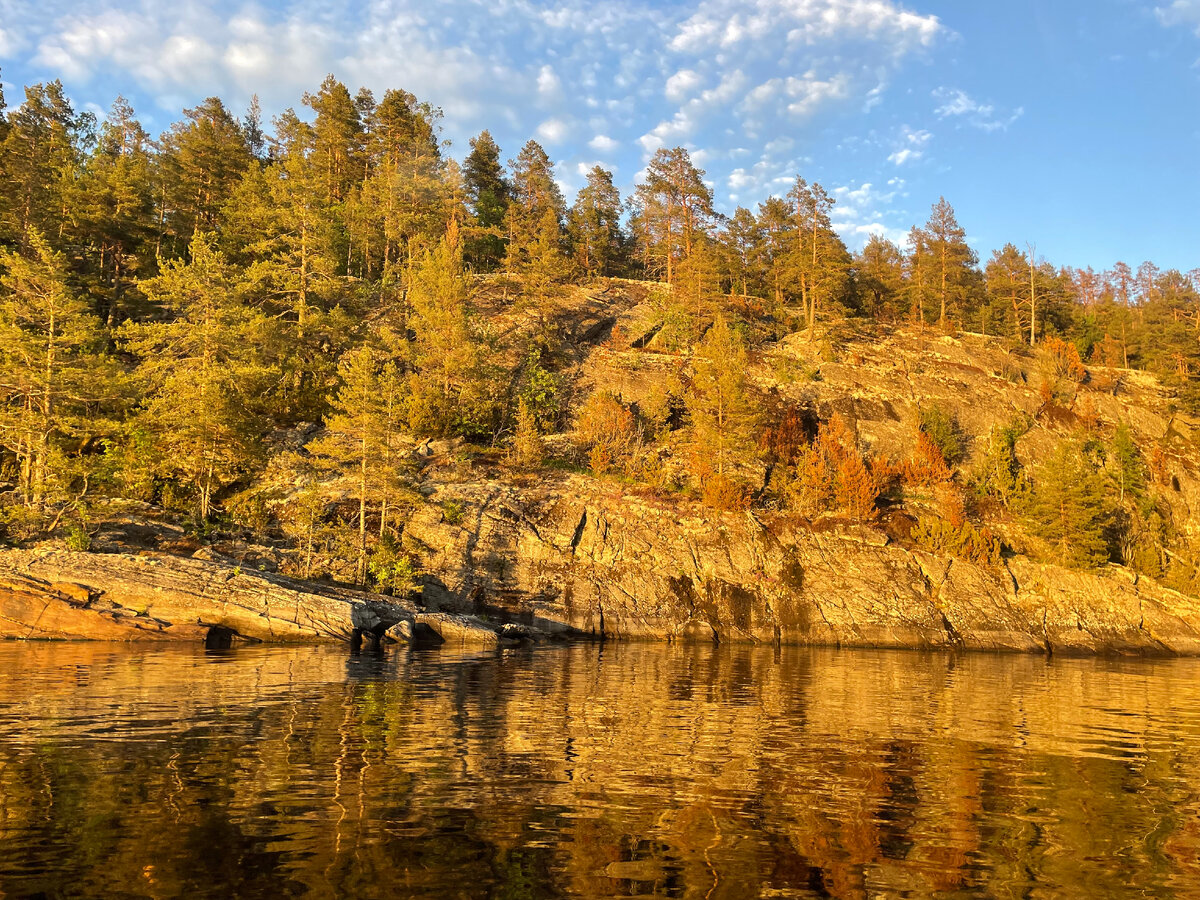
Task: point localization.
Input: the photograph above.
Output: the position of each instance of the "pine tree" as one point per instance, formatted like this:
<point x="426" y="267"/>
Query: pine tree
<point x="535" y="220"/>
<point x="1069" y="509"/>
<point x="950" y="259"/>
<point x="202" y="160"/>
<point x="50" y="367"/>
<point x="449" y="392"/>
<point x="673" y="205"/>
<point x="819" y="261"/>
<point x="741" y="242"/>
<point x="337" y="137"/>
<point x="362" y="435"/>
<point x="595" y="224"/>
<point x="115" y="211"/>
<point x="43" y="152"/>
<point x="880" y="271"/>
<point x="488" y="195"/>
<point x="199" y="367"/>
<point x="720" y="407"/>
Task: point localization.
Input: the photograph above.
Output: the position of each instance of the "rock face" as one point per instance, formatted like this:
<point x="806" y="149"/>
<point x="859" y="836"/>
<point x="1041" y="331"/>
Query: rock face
<point x="114" y="596"/>
<point x="570" y="558"/>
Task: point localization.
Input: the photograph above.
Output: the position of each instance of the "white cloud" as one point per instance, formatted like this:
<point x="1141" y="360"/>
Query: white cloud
<point x="1180" y="12"/>
<point x="603" y="143"/>
<point x="910" y="146"/>
<point x="553" y="131"/>
<point x="548" y="84"/>
<point x="959" y="104"/>
<point x="682" y="84"/>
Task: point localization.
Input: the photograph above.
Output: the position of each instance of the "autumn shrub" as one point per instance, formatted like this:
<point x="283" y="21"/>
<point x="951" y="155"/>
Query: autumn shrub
<point x="600" y="459"/>
<point x="782" y="441"/>
<point x="722" y="492"/>
<point x="1061" y="369"/>
<point x="606" y="420"/>
<point x="833" y="475"/>
<point x="528" y="448"/>
<point x="964" y="541"/>
<point x="943" y="432"/>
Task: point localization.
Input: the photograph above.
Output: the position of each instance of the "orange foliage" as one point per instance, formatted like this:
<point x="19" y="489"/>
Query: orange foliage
<point x="951" y="507"/>
<point x="1064" y="359"/>
<point x="833" y="473"/>
<point x="1158" y="465"/>
<point x="721" y="492"/>
<point x="927" y="466"/>
<point x="600" y="459"/>
<point x="782" y="443"/>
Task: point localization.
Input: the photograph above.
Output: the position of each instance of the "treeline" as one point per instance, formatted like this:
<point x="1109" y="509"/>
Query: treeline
<point x="165" y="303"/>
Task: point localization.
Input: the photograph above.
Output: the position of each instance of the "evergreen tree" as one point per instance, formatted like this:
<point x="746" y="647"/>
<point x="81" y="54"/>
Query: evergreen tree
<point x="535" y="220"/>
<point x="50" y="368"/>
<point x="199" y="366"/>
<point x="115" y="211"/>
<point x="1068" y="507"/>
<point x="337" y="138"/>
<point x="488" y="196"/>
<point x="720" y="407"/>
<point x="950" y="260"/>
<point x="43" y="153"/>
<point x="362" y="435"/>
<point x="595" y="224"/>
<point x="449" y="392"/>
<point x="673" y="205"/>
<point x="819" y="261"/>
<point x="880" y="273"/>
<point x="741" y="244"/>
<point x="202" y="161"/>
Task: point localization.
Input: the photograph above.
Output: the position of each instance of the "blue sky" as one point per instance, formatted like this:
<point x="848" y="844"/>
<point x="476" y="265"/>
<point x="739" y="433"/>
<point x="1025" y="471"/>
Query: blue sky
<point x="1069" y="124"/>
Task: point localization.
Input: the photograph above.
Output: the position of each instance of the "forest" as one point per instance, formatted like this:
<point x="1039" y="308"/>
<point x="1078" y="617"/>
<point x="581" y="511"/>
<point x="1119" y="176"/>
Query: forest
<point x="169" y="304"/>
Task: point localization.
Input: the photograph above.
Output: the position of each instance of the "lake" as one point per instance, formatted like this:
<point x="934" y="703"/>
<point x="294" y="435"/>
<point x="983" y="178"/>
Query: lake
<point x="595" y="771"/>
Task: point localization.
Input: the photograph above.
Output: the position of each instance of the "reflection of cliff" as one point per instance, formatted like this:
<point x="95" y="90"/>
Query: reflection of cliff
<point x="648" y="770"/>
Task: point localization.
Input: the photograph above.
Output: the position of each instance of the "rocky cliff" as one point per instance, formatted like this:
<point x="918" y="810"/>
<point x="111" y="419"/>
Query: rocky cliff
<point x="572" y="557"/>
<point x="55" y="594"/>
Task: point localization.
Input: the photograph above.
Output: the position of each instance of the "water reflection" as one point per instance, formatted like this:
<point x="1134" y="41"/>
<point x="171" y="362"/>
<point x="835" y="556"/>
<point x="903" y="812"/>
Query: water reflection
<point x="631" y="770"/>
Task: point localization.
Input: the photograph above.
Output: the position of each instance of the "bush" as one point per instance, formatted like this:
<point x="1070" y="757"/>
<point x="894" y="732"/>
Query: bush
<point x="452" y="512"/>
<point x="722" y="492"/>
<point x="78" y="539"/>
<point x="965" y="541"/>
<point x="527" y="443"/>
<point x="942" y="432"/>
<point x="1069" y="507"/>
<point x="833" y="475"/>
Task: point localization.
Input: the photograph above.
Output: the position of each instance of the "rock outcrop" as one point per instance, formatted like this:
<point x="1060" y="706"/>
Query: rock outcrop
<point x="569" y="557"/>
<point x="57" y="594"/>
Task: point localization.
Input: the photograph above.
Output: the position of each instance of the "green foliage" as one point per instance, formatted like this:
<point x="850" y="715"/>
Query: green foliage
<point x="78" y="539"/>
<point x="999" y="475"/>
<point x="1070" y="508"/>
<point x="393" y="570"/>
<point x="540" y="392"/>
<point x="943" y="431"/>
<point x="965" y="541"/>
<point x="453" y="512"/>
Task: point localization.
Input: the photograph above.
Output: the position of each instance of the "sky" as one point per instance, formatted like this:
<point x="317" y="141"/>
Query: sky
<point x="1068" y="125"/>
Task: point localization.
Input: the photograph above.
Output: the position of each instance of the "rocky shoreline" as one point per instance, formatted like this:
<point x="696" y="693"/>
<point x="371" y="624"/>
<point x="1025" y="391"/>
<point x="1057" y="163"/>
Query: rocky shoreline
<point x="50" y="594"/>
<point x="588" y="571"/>
<point x="577" y="560"/>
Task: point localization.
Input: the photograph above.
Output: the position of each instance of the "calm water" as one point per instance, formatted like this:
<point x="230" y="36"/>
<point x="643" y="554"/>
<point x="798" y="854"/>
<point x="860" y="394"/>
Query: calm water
<point x="628" y="771"/>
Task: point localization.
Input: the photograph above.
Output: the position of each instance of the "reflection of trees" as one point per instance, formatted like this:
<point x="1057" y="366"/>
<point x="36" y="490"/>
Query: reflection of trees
<point x="680" y="771"/>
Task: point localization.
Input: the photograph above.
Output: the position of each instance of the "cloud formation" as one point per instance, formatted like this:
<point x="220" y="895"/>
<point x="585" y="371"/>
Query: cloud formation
<point x="957" y="104"/>
<point x="621" y="78"/>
